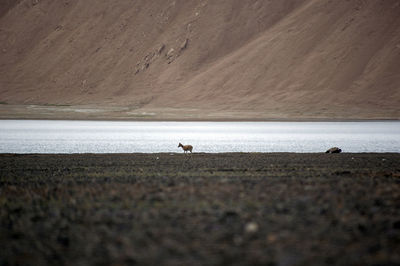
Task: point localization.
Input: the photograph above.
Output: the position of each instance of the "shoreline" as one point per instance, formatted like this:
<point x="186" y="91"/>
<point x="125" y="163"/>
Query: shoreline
<point x="205" y="120"/>
<point x="129" y="113"/>
<point x="196" y="153"/>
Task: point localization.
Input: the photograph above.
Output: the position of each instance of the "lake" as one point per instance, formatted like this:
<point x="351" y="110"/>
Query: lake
<point x="46" y="136"/>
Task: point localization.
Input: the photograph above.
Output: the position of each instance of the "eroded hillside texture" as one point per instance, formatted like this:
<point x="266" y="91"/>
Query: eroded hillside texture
<point x="252" y="58"/>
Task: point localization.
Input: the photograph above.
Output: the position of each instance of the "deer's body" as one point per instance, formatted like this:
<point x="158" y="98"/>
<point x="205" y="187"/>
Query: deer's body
<point x="186" y="148"/>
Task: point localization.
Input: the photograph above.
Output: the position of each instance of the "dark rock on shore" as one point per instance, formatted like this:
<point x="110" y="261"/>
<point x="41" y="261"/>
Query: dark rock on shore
<point x="334" y="150"/>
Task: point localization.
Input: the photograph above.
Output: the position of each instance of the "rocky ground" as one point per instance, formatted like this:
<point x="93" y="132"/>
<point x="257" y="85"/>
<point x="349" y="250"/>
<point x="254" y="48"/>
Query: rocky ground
<point x="171" y="209"/>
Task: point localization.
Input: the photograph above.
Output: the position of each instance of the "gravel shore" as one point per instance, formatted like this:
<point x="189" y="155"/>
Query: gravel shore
<point x="200" y="209"/>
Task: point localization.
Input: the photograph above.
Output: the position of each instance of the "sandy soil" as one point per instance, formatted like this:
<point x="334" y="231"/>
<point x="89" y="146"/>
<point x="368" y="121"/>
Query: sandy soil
<point x="204" y="209"/>
<point x="250" y="59"/>
<point x="97" y="112"/>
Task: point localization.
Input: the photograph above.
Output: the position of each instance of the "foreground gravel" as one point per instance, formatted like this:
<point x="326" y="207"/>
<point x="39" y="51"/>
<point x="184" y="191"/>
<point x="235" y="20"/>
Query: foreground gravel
<point x="200" y="209"/>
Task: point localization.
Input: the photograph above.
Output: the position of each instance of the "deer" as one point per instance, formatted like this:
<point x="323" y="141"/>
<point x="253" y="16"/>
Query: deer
<point x="186" y="148"/>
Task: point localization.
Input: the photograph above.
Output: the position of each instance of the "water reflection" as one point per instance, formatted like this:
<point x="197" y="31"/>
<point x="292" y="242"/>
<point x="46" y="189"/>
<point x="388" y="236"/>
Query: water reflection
<point x="37" y="136"/>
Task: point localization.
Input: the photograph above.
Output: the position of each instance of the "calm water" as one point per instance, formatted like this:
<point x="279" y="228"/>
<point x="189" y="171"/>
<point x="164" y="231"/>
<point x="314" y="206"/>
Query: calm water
<point x="37" y="136"/>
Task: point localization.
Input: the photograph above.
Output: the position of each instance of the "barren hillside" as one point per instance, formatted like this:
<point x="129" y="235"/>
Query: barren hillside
<point x="179" y="59"/>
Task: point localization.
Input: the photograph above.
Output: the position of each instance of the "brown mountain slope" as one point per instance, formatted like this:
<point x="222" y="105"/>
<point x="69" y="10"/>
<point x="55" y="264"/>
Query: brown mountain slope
<point x="210" y="59"/>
